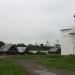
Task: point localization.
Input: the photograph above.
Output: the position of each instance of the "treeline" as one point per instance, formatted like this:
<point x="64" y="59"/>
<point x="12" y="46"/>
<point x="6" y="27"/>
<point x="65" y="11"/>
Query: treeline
<point x="38" y="47"/>
<point x="31" y="46"/>
<point x="34" y="47"/>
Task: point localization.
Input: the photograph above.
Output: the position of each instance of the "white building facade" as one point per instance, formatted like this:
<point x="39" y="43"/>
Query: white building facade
<point x="68" y="41"/>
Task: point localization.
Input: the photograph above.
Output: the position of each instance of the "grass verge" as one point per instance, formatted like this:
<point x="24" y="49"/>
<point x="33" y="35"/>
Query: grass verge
<point x="62" y="62"/>
<point x="8" y="67"/>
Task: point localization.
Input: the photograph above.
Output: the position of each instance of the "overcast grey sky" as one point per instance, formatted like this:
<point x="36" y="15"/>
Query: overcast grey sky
<point x="28" y="21"/>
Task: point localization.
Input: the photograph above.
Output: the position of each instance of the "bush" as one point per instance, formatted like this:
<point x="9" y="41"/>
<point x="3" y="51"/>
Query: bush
<point x="21" y="53"/>
<point x="40" y="53"/>
<point x="31" y="53"/>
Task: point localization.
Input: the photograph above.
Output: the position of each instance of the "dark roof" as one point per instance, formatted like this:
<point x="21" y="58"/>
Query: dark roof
<point x="66" y="29"/>
<point x="72" y="33"/>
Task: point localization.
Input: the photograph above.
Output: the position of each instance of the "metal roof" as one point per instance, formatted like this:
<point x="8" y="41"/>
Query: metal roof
<point x="5" y="48"/>
<point x="21" y="49"/>
<point x="53" y="49"/>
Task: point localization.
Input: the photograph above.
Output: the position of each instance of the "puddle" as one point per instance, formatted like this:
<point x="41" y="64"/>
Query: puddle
<point x="44" y="72"/>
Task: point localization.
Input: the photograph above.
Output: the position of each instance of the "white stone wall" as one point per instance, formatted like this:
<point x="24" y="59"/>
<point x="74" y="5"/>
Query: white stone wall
<point x="73" y="42"/>
<point x="66" y="43"/>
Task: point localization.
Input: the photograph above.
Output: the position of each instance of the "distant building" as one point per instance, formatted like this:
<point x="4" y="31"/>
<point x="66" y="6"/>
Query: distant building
<point x="55" y="50"/>
<point x="21" y="49"/>
<point x="8" y="49"/>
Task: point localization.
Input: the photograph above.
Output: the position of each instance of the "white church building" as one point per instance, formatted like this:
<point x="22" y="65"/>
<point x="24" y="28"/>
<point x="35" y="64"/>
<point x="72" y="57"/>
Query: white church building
<point x="68" y="41"/>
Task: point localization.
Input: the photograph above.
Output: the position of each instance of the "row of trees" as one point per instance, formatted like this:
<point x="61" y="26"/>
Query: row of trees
<point x="32" y="47"/>
<point x="38" y="47"/>
<point x="2" y="43"/>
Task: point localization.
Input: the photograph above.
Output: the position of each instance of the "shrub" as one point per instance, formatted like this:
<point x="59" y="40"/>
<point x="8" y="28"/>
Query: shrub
<point x="30" y="53"/>
<point x="40" y="53"/>
<point x="21" y="53"/>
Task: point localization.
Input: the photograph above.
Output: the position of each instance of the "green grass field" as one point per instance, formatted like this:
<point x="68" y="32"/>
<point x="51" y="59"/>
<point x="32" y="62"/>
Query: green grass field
<point x="52" y="61"/>
<point x="59" y="62"/>
<point x="7" y="67"/>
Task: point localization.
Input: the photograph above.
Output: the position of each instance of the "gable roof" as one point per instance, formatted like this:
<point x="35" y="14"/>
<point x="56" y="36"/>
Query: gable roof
<point x="55" y="49"/>
<point x="1" y="50"/>
<point x="5" y="48"/>
<point x="21" y="49"/>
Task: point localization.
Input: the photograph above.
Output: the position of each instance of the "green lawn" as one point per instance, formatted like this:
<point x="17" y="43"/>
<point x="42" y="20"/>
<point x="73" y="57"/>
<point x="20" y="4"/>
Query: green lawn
<point x="7" y="67"/>
<point x="59" y="62"/>
<point x="52" y="61"/>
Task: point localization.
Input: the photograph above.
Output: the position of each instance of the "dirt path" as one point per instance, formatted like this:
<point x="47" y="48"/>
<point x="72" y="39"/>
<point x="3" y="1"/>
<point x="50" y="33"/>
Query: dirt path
<point x="37" y="69"/>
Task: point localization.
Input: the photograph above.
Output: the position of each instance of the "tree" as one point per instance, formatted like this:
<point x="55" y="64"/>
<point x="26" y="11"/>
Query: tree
<point x="41" y="45"/>
<point x="20" y="45"/>
<point x="2" y="43"/>
<point x="48" y="43"/>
